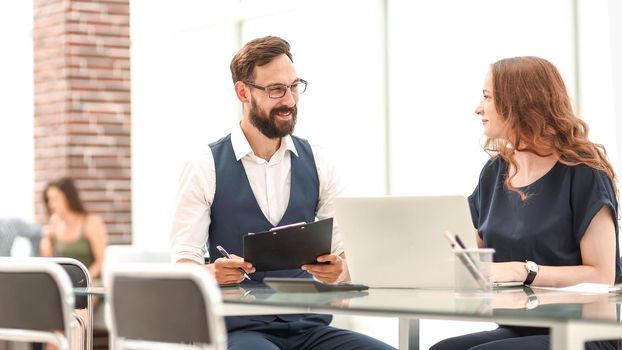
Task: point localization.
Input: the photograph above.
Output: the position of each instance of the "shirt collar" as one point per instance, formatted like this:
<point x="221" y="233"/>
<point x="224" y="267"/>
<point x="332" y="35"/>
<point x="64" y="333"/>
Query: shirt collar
<point x="242" y="148"/>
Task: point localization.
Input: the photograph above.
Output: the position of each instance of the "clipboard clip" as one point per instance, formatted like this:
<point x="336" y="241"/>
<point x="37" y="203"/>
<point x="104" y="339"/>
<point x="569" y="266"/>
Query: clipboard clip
<point x="286" y="226"/>
<point x="277" y="228"/>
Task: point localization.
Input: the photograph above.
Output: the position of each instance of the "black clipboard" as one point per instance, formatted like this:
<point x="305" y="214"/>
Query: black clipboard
<point x="289" y="247"/>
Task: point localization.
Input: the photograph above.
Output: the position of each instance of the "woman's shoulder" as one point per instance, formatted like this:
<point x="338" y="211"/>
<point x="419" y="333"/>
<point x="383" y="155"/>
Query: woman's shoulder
<point x="492" y="168"/>
<point x="585" y="178"/>
<point x="494" y="163"/>
<point x="583" y="173"/>
<point x="93" y="222"/>
<point x="93" y="218"/>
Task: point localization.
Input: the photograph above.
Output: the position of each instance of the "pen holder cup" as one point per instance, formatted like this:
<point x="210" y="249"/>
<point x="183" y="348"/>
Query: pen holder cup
<point x="472" y="268"/>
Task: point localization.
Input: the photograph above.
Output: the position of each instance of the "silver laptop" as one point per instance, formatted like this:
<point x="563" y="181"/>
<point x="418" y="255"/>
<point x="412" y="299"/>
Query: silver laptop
<point x="398" y="242"/>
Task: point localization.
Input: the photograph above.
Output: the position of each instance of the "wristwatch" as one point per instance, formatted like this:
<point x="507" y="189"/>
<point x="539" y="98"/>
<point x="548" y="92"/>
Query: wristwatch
<point x="532" y="299"/>
<point x="532" y="271"/>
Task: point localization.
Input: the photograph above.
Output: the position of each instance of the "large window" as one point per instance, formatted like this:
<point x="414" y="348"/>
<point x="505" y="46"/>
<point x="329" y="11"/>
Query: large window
<point x="439" y="52"/>
<point x="337" y="48"/>
<point x="182" y="99"/>
<point x="392" y="92"/>
<point x="595" y="75"/>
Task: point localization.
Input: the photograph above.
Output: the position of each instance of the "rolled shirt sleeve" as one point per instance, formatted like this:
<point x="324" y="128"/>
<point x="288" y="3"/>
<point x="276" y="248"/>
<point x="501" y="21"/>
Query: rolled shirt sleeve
<point x="192" y="210"/>
<point x="331" y="187"/>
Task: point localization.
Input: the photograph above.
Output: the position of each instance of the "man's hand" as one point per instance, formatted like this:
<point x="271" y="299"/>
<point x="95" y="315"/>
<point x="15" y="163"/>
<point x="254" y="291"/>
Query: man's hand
<point x="226" y="270"/>
<point x="333" y="272"/>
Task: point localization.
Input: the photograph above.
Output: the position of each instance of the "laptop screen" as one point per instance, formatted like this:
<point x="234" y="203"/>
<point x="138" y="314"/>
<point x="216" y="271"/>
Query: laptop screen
<point x="398" y="242"/>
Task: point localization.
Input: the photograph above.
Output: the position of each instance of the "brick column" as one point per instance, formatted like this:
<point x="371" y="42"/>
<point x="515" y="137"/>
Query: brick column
<point x="82" y="105"/>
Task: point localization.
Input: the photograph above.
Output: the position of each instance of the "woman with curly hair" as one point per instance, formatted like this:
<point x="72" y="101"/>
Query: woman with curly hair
<point x="546" y="200"/>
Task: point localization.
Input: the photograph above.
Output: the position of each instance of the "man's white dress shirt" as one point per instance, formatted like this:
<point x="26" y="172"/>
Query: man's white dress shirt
<point x="269" y="180"/>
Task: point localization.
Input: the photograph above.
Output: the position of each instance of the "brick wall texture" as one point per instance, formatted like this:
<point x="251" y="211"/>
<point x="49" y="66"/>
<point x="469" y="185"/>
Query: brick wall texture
<point x="82" y="105"/>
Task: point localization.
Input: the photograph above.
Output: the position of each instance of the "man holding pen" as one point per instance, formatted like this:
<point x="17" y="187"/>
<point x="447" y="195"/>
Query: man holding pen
<point x="258" y="177"/>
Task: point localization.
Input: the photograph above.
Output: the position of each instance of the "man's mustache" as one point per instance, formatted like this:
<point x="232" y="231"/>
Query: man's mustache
<point x="283" y="110"/>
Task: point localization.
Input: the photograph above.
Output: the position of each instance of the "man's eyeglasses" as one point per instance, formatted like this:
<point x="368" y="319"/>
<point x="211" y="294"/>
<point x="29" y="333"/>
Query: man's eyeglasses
<point x="279" y="90"/>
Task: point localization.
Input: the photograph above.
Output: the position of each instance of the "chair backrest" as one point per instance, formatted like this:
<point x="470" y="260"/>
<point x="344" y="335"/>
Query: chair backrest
<point x="131" y="254"/>
<point x="81" y="278"/>
<point x="36" y="299"/>
<point x="164" y="304"/>
<point x="77" y="272"/>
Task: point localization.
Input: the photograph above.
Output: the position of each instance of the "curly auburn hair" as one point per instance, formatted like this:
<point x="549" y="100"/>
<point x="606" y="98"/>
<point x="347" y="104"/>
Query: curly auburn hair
<point x="531" y="98"/>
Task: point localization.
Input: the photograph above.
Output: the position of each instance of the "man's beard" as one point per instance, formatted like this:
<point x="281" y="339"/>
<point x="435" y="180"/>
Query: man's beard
<point x="269" y="125"/>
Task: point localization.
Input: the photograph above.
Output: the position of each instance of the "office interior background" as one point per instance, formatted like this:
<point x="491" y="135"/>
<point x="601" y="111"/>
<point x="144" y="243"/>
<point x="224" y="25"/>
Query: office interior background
<point x="393" y="85"/>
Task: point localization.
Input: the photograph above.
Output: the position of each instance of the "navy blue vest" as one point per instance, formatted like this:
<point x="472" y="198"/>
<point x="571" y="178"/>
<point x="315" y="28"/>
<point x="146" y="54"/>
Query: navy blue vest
<point x="235" y="212"/>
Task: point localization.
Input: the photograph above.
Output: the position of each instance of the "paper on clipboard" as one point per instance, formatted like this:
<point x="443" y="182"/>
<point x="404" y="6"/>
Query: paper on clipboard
<point x="289" y="246"/>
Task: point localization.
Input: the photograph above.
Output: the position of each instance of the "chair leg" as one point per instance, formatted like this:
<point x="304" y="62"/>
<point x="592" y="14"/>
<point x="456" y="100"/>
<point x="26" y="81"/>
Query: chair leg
<point x="89" y="331"/>
<point x="83" y="331"/>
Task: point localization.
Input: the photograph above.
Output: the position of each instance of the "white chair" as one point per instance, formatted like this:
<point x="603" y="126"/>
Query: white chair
<point x="125" y="254"/>
<point x="80" y="278"/>
<point x="164" y="306"/>
<point x="36" y="301"/>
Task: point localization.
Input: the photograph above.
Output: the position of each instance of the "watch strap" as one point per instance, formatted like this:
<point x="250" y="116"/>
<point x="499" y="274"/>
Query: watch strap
<point x="531" y="275"/>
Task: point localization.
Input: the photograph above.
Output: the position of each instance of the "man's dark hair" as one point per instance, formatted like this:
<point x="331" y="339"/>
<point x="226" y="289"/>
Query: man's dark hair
<point x="257" y="52"/>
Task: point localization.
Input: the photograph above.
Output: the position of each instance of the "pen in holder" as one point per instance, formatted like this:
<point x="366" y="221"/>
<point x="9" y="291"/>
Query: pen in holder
<point x="472" y="269"/>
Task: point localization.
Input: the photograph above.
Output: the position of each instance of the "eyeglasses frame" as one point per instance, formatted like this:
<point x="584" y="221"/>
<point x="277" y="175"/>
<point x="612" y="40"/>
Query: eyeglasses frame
<point x="270" y="88"/>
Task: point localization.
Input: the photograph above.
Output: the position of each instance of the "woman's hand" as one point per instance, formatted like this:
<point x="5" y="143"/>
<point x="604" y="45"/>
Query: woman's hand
<point x="508" y="271"/>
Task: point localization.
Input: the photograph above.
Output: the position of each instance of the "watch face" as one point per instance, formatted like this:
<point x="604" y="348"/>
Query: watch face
<point x="531" y="266"/>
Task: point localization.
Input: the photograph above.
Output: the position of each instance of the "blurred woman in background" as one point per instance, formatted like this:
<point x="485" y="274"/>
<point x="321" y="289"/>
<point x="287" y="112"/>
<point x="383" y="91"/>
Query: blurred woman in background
<point x="71" y="231"/>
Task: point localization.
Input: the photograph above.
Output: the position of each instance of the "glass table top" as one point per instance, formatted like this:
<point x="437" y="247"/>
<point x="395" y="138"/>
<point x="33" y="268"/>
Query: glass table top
<point x="515" y="303"/>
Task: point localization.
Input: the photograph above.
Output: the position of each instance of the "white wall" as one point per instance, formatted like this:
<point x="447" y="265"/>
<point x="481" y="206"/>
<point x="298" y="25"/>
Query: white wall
<point x="16" y="110"/>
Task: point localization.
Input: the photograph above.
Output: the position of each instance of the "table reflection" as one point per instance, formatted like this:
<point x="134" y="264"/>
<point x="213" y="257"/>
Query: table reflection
<point x="523" y="303"/>
<point x="554" y="303"/>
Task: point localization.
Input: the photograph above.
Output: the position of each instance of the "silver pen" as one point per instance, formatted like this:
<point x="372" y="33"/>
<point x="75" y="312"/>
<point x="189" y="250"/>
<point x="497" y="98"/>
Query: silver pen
<point x="226" y="255"/>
